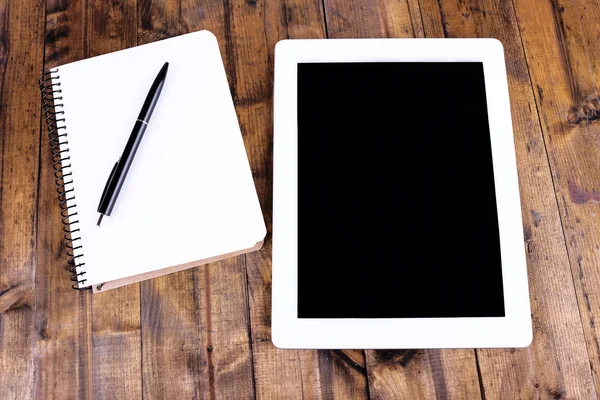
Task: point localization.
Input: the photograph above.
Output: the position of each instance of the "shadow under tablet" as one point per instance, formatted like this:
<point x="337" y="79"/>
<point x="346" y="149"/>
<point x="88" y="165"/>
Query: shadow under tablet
<point x="397" y="209"/>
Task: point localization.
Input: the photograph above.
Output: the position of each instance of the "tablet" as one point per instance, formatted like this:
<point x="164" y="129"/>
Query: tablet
<point x="396" y="210"/>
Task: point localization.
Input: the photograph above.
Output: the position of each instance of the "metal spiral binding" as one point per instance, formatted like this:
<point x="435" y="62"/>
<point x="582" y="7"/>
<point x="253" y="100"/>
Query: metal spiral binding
<point x="56" y="122"/>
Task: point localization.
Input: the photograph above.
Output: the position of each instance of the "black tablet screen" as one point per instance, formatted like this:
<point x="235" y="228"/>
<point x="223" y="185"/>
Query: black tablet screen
<point x="396" y="202"/>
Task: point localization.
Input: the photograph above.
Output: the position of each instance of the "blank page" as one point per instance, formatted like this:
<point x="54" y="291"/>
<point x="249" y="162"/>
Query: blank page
<point x="189" y="194"/>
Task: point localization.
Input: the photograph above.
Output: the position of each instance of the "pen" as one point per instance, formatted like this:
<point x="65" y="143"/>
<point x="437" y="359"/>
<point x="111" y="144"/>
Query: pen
<point x="119" y="172"/>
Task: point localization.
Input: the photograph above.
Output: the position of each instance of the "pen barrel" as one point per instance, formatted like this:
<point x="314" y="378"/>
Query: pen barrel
<point x="153" y="95"/>
<point x="119" y="174"/>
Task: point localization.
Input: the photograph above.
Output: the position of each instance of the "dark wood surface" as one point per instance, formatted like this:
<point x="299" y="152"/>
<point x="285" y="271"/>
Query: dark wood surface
<point x="205" y="332"/>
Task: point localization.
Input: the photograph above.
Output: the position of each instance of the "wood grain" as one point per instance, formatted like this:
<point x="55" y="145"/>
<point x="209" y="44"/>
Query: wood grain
<point x="62" y="315"/>
<point x="555" y="365"/>
<point x="401" y="373"/>
<point x="416" y="18"/>
<point x="564" y="73"/>
<point x="583" y="232"/>
<point x="423" y="374"/>
<point x="588" y="14"/>
<point x="21" y="58"/>
<point x="116" y="337"/>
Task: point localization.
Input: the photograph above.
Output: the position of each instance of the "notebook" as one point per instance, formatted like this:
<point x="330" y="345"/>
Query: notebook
<point x="189" y="197"/>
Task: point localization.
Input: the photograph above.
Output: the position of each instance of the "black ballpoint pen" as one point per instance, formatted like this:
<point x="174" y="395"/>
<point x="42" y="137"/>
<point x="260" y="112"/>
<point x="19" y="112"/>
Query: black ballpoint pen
<point x="119" y="172"/>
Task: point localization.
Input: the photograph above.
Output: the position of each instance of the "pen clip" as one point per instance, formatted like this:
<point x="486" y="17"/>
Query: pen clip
<point x="110" y="178"/>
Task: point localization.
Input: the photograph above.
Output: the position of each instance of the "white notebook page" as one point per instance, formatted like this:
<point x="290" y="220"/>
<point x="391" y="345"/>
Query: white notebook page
<point x="189" y="194"/>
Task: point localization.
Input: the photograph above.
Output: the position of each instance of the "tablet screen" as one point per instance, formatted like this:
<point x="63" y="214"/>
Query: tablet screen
<point x="397" y="209"/>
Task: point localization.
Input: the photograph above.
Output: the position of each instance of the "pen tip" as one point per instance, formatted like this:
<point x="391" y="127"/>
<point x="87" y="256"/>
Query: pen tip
<point x="100" y="219"/>
<point x="163" y="71"/>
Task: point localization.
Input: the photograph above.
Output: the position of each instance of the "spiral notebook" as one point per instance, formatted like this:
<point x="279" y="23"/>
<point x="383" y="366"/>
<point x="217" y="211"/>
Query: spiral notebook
<point x="189" y="197"/>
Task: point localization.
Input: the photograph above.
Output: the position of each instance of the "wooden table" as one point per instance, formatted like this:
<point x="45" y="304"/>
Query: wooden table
<point x="206" y="332"/>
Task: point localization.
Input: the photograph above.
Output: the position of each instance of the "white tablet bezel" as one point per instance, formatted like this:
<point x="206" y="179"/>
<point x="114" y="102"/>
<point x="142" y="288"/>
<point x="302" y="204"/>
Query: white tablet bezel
<point x="289" y="331"/>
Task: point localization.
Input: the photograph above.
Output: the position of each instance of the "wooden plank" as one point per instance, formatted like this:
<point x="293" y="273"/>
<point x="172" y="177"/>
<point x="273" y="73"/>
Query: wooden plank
<point x="62" y="315"/>
<point x="226" y="337"/>
<point x="556" y="364"/>
<point x="561" y="46"/>
<point x="416" y="18"/>
<point x="21" y="58"/>
<point x="116" y="340"/>
<point x="422" y="374"/>
<point x="370" y="19"/>
<point x="588" y="13"/>
<point x="584" y="240"/>
<point x="195" y="323"/>
<point x="401" y="373"/>
<point x="252" y="30"/>
<point x="194" y="340"/>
